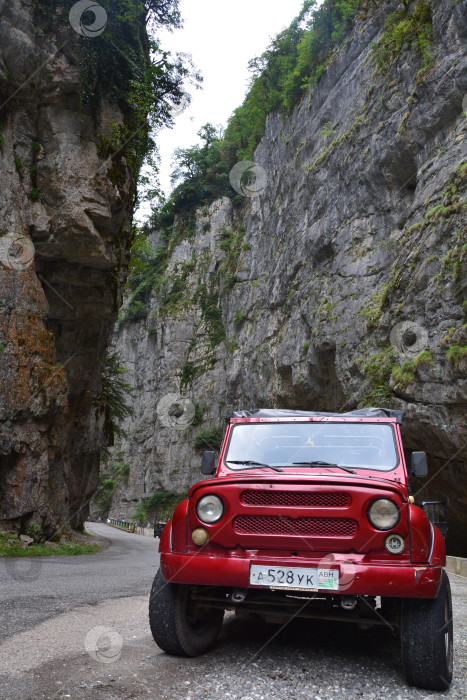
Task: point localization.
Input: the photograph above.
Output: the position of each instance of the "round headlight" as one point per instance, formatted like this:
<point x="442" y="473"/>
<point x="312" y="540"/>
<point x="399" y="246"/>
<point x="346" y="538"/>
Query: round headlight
<point x="383" y="514"/>
<point x="210" y="508"/>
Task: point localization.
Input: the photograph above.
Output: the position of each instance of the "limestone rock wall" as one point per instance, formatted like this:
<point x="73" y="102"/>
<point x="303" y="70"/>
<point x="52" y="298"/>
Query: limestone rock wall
<point x="64" y="232"/>
<point x="340" y="284"/>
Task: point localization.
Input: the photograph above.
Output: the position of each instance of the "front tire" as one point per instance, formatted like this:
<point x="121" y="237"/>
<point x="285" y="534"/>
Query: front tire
<point x="426" y="636"/>
<point x="178" y="626"/>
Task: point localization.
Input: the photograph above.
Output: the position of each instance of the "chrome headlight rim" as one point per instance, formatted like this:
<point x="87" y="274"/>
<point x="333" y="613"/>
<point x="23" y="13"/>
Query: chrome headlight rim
<point x="378" y="527"/>
<point x="222" y="508"/>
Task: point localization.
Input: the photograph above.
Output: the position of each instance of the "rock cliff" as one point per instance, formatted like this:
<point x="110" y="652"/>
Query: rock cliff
<point x="65" y="225"/>
<point x="339" y="283"/>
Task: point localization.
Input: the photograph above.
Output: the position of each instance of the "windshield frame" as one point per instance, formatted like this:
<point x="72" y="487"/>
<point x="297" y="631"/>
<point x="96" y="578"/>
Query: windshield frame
<point x="303" y="468"/>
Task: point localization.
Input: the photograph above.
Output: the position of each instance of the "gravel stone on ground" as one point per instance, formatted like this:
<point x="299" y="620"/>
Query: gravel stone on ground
<point x="306" y="661"/>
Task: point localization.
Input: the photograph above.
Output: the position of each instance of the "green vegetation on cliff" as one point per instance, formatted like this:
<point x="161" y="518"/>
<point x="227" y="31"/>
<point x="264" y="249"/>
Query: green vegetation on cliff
<point x="296" y="60"/>
<point x="406" y="30"/>
<point x="158" y="507"/>
<point x="114" y="396"/>
<point x="114" y="473"/>
<point x="127" y="65"/>
<point x="209" y="438"/>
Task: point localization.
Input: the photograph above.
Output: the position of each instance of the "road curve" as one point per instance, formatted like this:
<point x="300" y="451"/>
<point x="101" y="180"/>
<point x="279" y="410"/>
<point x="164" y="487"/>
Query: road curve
<point x="37" y="588"/>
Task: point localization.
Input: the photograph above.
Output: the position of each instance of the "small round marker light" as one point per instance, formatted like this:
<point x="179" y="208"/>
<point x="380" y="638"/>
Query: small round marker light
<point x="200" y="536"/>
<point x="395" y="544"/>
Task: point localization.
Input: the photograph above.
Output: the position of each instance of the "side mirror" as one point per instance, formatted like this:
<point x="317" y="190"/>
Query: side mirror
<point x="208" y="465"/>
<point x="437" y="512"/>
<point x="419" y="466"/>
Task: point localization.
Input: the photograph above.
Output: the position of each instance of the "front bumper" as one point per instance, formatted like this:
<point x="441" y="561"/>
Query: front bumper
<point x="356" y="578"/>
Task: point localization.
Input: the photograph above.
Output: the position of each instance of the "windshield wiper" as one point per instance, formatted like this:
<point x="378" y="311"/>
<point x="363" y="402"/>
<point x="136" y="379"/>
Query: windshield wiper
<point x="325" y="464"/>
<point x="252" y="463"/>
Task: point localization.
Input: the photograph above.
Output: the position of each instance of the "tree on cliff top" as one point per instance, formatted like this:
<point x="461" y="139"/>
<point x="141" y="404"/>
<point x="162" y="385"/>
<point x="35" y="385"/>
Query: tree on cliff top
<point x="201" y="171"/>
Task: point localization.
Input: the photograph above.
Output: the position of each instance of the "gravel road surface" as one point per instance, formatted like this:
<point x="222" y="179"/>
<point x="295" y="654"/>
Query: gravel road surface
<point x="252" y="661"/>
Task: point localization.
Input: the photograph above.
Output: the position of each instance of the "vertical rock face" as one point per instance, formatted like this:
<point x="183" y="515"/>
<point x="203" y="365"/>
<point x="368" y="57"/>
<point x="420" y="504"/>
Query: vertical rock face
<point x="340" y="284"/>
<point x="64" y="231"/>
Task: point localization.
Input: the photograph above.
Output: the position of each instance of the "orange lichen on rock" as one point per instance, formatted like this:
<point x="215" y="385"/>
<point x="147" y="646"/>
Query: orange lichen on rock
<point x="34" y="381"/>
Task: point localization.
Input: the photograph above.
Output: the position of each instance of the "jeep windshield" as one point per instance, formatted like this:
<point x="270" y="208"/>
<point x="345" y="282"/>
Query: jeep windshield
<point x="296" y="445"/>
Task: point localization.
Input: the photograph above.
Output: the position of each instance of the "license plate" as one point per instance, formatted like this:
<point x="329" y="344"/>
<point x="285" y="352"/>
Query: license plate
<point x="294" y="578"/>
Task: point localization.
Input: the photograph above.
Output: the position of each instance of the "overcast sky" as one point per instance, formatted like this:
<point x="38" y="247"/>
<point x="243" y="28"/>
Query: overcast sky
<point x="221" y="37"/>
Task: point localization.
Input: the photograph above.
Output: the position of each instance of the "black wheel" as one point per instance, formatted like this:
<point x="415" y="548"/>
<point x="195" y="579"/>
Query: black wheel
<point x="426" y="635"/>
<point x="178" y="625"/>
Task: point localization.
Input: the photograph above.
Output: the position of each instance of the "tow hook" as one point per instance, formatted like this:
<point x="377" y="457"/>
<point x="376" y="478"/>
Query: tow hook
<point x="238" y="595"/>
<point x="348" y="602"/>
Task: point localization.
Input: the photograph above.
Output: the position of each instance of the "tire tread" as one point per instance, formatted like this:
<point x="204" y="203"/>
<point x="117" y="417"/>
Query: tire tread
<point x="162" y="615"/>
<point x="423" y="656"/>
<point x="169" y="626"/>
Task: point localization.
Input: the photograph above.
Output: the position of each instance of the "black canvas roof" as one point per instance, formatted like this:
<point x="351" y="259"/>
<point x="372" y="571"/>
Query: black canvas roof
<point x="288" y="412"/>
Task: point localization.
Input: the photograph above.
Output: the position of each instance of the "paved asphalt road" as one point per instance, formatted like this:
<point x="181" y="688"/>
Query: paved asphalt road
<point x="59" y="584"/>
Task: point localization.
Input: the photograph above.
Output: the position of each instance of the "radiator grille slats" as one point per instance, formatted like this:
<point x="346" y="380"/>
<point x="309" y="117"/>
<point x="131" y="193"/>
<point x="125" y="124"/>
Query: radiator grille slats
<point x="317" y="499"/>
<point x="308" y="527"/>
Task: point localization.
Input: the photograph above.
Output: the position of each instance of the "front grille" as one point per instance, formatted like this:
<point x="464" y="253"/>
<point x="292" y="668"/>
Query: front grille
<point x="278" y="525"/>
<point x="336" y="499"/>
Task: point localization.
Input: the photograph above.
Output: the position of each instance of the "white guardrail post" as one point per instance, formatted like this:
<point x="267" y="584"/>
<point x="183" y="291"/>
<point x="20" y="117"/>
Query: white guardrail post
<point x="456" y="565"/>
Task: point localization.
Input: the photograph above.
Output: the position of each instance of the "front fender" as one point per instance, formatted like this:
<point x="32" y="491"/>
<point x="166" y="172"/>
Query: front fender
<point x="420" y="534"/>
<point x="438" y="556"/>
<point x="180" y="527"/>
<point x="166" y="536"/>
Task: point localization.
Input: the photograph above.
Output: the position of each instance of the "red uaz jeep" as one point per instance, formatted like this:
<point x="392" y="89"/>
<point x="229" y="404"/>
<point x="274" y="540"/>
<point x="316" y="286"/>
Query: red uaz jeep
<point x="308" y="515"/>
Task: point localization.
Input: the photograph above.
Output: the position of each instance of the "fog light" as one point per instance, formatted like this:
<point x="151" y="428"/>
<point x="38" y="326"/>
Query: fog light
<point x="394" y="544"/>
<point x="200" y="536"/>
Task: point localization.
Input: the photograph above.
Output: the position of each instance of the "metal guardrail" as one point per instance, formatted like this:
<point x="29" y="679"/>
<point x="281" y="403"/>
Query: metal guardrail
<point x="130" y="526"/>
<point x="127" y="525"/>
